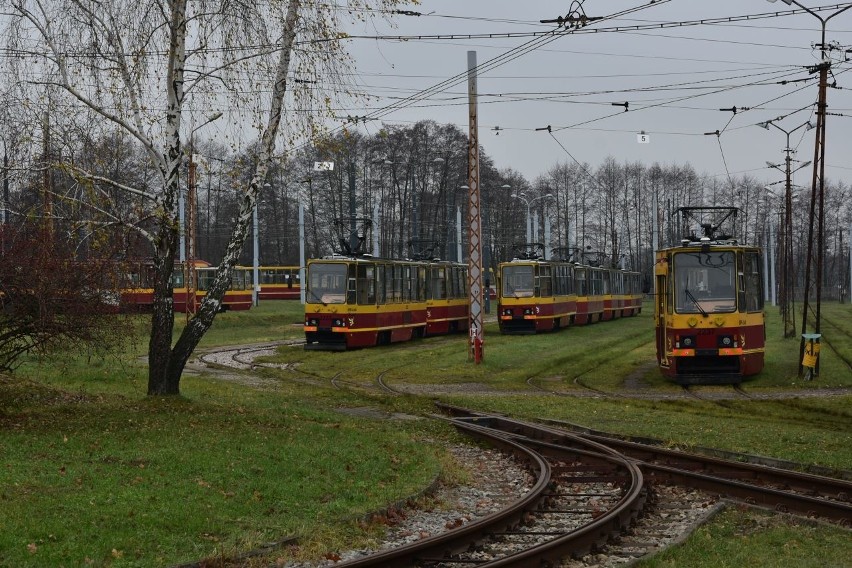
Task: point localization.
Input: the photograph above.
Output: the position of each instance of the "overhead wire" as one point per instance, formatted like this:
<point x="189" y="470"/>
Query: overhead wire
<point x="597" y="30"/>
<point x="497" y="61"/>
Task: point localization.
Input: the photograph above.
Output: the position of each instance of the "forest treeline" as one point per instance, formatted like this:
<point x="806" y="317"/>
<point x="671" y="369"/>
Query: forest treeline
<point x="410" y="182"/>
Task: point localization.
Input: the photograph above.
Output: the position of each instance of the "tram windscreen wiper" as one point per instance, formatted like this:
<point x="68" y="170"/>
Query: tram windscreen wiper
<point x="314" y="295"/>
<point x="695" y="301"/>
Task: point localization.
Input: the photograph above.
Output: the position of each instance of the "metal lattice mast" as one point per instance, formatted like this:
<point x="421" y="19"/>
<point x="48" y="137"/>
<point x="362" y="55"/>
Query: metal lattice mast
<point x="474" y="217"/>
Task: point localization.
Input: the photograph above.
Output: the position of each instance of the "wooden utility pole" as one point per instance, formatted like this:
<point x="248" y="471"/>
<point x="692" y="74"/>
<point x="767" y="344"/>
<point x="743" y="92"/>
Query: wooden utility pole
<point x="474" y="218"/>
<point x="816" y="213"/>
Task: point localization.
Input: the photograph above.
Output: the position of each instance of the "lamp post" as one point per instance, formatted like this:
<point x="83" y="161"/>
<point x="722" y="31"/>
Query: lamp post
<point x="255" y="257"/>
<point x="528" y="202"/>
<point x="787" y="243"/>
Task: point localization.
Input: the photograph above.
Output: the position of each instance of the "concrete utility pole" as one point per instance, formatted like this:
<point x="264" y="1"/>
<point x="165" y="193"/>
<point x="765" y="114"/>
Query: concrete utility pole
<point x="189" y="267"/>
<point x="302" y="283"/>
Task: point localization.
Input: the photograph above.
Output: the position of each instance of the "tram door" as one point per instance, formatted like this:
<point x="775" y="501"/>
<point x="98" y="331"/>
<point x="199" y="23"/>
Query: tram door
<point x="661" y="312"/>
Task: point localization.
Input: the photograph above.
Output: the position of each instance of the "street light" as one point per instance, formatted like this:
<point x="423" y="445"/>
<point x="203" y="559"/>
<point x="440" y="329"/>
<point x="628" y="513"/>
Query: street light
<point x="255" y="262"/>
<point x="786" y="264"/>
<point x="823" y="21"/>
<point x="523" y="197"/>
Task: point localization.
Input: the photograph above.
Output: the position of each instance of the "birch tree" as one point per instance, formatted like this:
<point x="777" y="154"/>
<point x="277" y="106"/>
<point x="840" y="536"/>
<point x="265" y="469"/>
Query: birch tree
<point x="158" y="71"/>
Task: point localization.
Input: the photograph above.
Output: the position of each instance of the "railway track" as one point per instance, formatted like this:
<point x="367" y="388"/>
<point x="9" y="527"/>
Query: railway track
<point x="782" y="490"/>
<point x="595" y="500"/>
<point x="244" y="357"/>
<point x="578" y="499"/>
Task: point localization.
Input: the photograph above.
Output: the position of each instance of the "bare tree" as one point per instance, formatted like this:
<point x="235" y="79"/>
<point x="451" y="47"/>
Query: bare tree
<point x="50" y="301"/>
<point x="144" y="66"/>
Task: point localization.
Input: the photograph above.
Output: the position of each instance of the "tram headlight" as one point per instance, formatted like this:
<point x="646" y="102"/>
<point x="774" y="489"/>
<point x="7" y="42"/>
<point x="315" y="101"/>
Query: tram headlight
<point x="686" y="342"/>
<point x="338" y="323"/>
<point x="725" y="341"/>
<point x="311" y="322"/>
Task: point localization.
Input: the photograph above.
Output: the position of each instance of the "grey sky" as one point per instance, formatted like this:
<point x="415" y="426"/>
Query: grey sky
<point x="675" y="80"/>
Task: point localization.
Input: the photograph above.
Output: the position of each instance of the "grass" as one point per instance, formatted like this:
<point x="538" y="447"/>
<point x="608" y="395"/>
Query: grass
<point x="745" y="537"/>
<point x="95" y="473"/>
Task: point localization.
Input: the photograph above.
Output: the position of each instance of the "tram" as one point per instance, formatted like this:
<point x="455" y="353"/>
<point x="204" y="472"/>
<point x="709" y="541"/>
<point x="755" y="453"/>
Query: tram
<point x="537" y="295"/>
<point x="708" y="307"/>
<point x="277" y="282"/>
<point x="354" y="301"/>
<point x="137" y="294"/>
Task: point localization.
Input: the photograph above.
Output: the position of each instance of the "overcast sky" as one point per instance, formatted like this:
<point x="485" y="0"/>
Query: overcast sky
<point x="674" y="79"/>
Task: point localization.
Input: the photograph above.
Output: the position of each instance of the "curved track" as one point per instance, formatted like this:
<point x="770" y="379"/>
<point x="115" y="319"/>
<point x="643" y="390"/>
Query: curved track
<point x="589" y="493"/>
<point x="578" y="499"/>
<point x="796" y="492"/>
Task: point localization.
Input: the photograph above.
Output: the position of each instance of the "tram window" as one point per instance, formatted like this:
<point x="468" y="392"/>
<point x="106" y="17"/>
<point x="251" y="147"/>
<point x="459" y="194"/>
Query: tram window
<point x="409" y="289"/>
<point x="422" y="283"/>
<point x="395" y="290"/>
<point x="597" y="288"/>
<point x="545" y="282"/>
<point x="366" y="284"/>
<point x="753" y="282"/>
<point x="518" y="281"/>
<point x="380" y="284"/>
<point x="238" y="279"/>
<point x="438" y="288"/>
<point x="204" y="279"/>
<point x="705" y="282"/>
<point x="326" y="283"/>
<point x="580" y="286"/>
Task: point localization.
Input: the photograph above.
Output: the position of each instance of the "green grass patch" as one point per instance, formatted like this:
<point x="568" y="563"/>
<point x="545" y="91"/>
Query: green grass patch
<point x="746" y="537"/>
<point x="129" y="481"/>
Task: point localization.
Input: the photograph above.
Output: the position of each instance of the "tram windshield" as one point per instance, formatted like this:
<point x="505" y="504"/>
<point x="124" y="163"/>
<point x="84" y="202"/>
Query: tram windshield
<point x="518" y="281"/>
<point x="705" y="282"/>
<point x="326" y="283"/>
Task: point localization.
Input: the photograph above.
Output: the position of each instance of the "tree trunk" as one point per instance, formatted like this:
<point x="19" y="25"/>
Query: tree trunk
<point x="198" y="326"/>
<point x="160" y="381"/>
<point x="162" y="317"/>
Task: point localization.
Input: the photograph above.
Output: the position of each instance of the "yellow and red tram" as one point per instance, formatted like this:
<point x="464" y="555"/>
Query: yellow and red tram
<point x="138" y="291"/>
<point x="708" y="309"/>
<point x="237" y="297"/>
<point x="358" y="301"/>
<point x="277" y="282"/>
<point x="538" y="295"/>
<point x="447" y="298"/>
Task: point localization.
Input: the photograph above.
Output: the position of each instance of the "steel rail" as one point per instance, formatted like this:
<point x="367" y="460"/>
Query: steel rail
<point x="460" y="539"/>
<point x="724" y="477"/>
<point x="590" y="536"/>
